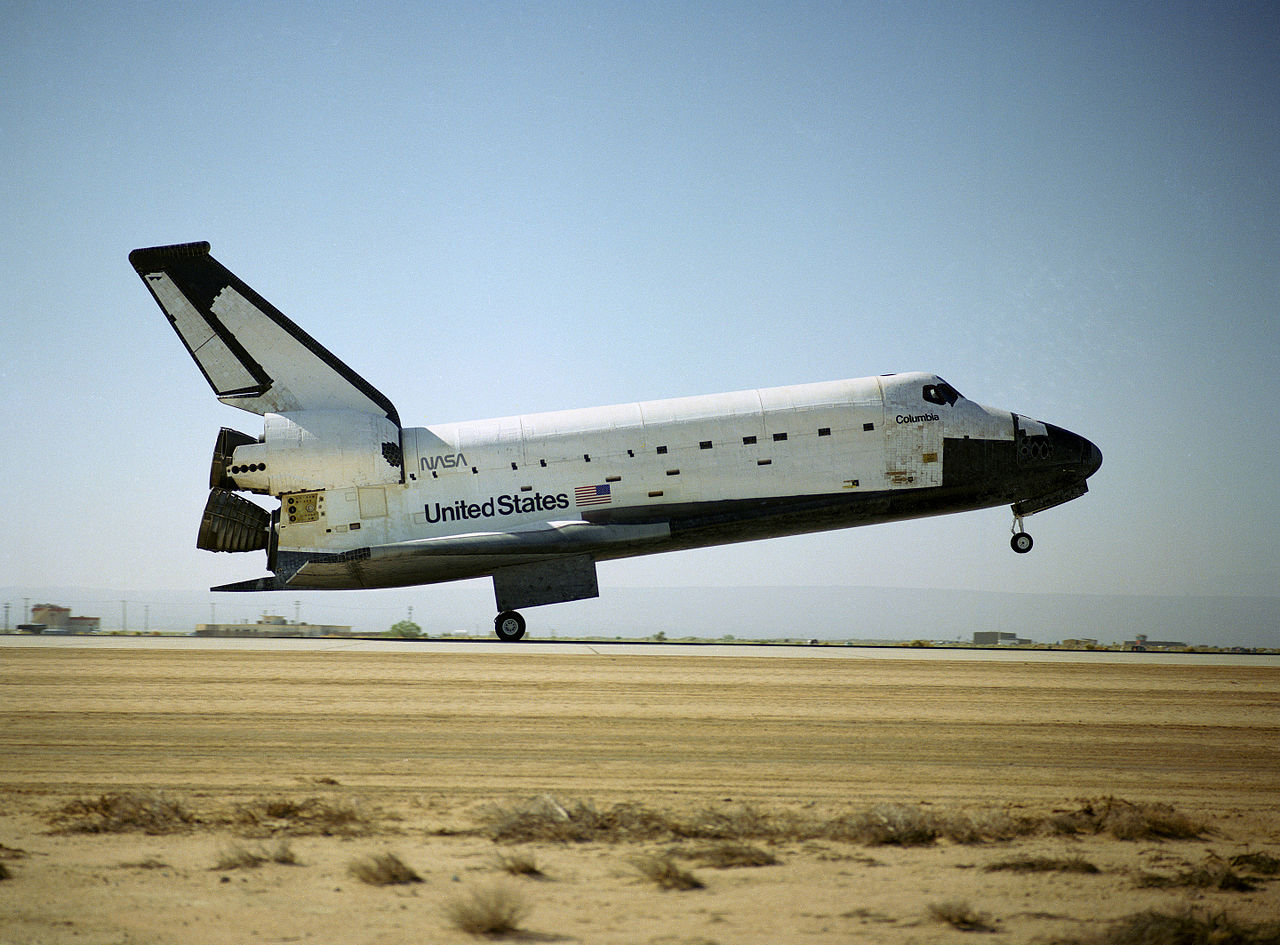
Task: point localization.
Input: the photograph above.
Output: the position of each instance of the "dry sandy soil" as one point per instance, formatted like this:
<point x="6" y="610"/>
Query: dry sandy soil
<point x="428" y="755"/>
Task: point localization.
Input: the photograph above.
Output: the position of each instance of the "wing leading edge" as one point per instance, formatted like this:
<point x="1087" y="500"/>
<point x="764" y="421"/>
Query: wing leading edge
<point x="252" y="355"/>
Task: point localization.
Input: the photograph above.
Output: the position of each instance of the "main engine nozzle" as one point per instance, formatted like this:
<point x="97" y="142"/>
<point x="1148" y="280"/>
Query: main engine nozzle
<point x="233" y="523"/>
<point x="228" y="440"/>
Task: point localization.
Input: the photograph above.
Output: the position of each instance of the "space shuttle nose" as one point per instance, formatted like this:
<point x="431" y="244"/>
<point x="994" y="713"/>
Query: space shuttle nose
<point x="1091" y="460"/>
<point x="1076" y="451"/>
<point x="1071" y="453"/>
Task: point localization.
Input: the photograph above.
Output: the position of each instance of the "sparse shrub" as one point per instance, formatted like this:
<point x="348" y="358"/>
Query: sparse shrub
<point x="124" y="811"/>
<point x="241" y="857"/>
<point x="962" y="916"/>
<point x="962" y="827"/>
<point x="1043" y="864"/>
<point x="728" y="855"/>
<point x="540" y="819"/>
<point x="985" y="826"/>
<point x="1150" y="822"/>
<point x="734" y="823"/>
<point x="4" y="872"/>
<point x="1186" y="927"/>
<point x="914" y="825"/>
<point x="283" y="854"/>
<point x="488" y="910"/>
<point x="238" y="857"/>
<point x="149" y="863"/>
<point x="285" y="808"/>
<point x="1126" y="820"/>
<point x="313" y="816"/>
<point x="663" y="871"/>
<point x="1261" y="864"/>
<point x="519" y="864"/>
<point x="893" y="825"/>
<point x="382" y="869"/>
<point x="1213" y="873"/>
<point x="544" y="819"/>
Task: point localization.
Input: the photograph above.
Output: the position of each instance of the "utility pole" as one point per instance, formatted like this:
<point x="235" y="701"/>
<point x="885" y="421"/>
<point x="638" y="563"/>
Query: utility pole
<point x="297" y="608"/>
<point x="124" y="616"/>
<point x="146" y="618"/>
<point x="6" y="616"/>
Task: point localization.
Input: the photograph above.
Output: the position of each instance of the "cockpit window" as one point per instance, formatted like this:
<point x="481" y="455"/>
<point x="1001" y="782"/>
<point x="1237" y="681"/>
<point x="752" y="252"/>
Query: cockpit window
<point x="942" y="394"/>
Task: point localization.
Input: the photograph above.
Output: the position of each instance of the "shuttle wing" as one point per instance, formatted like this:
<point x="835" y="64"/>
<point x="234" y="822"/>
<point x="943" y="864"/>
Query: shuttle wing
<point x="253" y="356"/>
<point x="452" y="557"/>
<point x="540" y="538"/>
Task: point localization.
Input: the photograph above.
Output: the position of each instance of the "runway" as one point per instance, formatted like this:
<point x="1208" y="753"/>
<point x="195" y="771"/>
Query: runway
<point x="479" y="720"/>
<point x="629" y="648"/>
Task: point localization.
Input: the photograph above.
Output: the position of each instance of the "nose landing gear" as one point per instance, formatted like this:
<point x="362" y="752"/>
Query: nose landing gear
<point x="1020" y="542"/>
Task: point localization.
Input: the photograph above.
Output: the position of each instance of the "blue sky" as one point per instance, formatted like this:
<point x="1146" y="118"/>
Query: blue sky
<point x="1068" y="210"/>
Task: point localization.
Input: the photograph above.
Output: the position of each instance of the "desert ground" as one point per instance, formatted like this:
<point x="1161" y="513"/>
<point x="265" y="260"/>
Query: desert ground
<point x="228" y="796"/>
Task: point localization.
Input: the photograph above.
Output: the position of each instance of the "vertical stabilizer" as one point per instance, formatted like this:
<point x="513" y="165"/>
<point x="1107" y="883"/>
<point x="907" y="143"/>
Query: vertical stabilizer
<point x="253" y="356"/>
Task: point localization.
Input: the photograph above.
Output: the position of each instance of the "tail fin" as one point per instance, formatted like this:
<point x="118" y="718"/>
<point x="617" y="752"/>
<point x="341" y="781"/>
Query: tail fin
<point x="252" y="355"/>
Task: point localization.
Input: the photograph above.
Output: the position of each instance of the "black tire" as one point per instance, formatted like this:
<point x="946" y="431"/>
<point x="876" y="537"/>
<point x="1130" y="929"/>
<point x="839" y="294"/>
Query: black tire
<point x="1021" y="543"/>
<point x="509" y="626"/>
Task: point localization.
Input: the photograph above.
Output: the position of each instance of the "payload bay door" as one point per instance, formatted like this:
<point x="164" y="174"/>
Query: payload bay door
<point x="913" y="441"/>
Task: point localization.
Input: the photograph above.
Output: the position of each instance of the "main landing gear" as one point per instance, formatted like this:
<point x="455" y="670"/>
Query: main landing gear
<point x="1020" y="542"/>
<point x="509" y="626"/>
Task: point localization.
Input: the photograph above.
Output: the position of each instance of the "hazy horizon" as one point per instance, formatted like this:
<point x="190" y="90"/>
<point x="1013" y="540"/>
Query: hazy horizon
<point x="802" y="612"/>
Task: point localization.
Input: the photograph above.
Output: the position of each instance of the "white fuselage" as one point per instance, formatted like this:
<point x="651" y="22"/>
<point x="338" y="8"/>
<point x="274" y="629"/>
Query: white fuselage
<point x="865" y="435"/>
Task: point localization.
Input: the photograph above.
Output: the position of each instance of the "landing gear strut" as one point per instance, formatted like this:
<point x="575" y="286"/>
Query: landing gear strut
<point x="1020" y="542"/>
<point x="509" y="626"/>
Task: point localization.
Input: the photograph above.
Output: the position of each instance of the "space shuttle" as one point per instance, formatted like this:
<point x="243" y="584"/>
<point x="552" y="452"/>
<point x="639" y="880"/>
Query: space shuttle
<point x="358" y="500"/>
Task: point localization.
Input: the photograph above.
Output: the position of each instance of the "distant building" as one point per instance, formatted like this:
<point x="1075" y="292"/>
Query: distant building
<point x="1084" y="644"/>
<point x="1142" y="643"/>
<point x="51" y="615"/>
<point x="998" y="638"/>
<point x="271" y="625"/>
<point x="59" y="620"/>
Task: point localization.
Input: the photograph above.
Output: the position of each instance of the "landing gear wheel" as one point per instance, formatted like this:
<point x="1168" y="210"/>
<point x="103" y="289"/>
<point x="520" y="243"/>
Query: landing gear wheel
<point x="1021" y="542"/>
<point x="509" y="626"/>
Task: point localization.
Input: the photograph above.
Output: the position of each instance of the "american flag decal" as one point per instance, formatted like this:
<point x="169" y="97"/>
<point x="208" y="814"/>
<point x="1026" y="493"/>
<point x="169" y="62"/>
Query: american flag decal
<point x="592" y="495"/>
